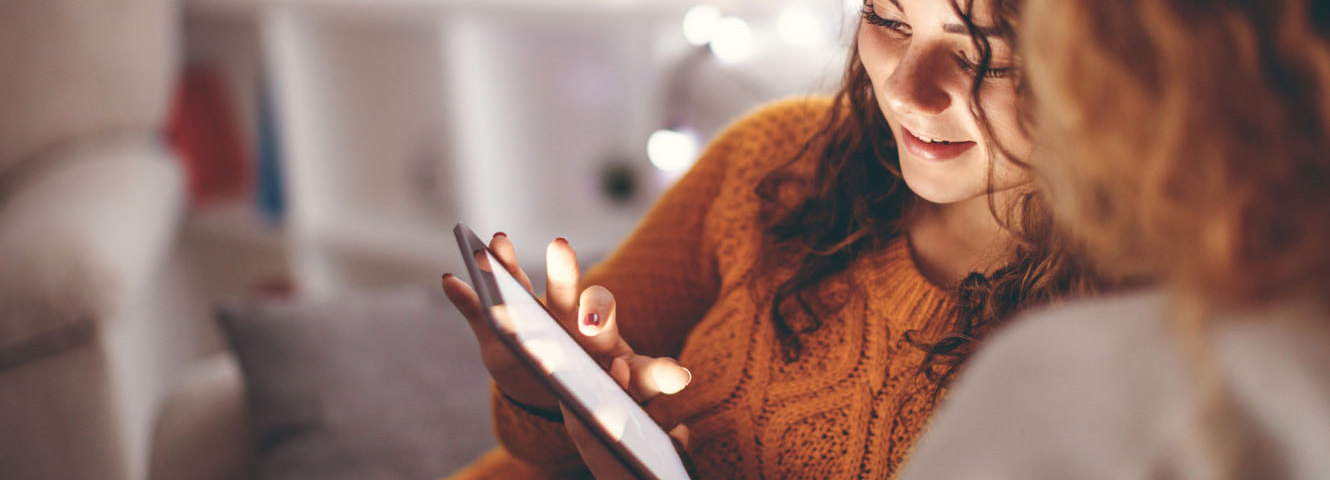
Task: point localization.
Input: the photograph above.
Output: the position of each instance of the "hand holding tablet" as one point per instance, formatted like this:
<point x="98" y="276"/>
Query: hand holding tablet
<point x="542" y="356"/>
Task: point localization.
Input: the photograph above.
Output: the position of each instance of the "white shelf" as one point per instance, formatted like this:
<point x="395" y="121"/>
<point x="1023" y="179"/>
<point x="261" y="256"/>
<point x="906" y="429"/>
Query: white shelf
<point x="399" y="118"/>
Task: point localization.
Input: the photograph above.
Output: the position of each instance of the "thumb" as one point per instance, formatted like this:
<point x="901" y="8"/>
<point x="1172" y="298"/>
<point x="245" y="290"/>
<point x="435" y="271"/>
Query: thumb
<point x="680" y="436"/>
<point x="649" y="377"/>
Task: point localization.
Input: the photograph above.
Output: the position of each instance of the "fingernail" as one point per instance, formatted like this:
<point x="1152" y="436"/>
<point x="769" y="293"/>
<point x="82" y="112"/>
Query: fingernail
<point x="561" y="240"/>
<point x="592" y="319"/>
<point x="500" y="234"/>
<point x="447" y="276"/>
<point x="669" y="381"/>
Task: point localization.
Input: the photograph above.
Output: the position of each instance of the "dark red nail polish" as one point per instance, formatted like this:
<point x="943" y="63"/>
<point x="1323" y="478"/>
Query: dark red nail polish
<point x="500" y="234"/>
<point x="561" y="240"/>
<point x="447" y="276"/>
<point x="592" y="319"/>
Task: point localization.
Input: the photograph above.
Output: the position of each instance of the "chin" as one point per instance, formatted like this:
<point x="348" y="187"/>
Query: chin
<point x="942" y="195"/>
<point x="939" y="186"/>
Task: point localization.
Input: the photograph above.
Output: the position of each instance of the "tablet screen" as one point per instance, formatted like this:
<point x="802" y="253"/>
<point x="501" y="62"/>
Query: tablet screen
<point x="562" y="358"/>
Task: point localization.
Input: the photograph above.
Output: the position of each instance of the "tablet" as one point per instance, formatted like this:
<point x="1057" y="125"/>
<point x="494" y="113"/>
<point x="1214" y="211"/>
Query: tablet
<point x="535" y="336"/>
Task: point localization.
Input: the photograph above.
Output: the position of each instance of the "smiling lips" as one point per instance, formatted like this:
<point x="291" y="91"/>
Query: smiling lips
<point x="934" y="150"/>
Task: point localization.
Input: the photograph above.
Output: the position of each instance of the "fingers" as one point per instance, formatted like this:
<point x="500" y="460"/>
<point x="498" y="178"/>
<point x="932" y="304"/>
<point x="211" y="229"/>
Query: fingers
<point x="462" y="296"/>
<point x="508" y="372"/>
<point x="562" y="276"/>
<point x="646" y="377"/>
<point x="598" y="325"/>
<point x="620" y="372"/>
<point x="466" y="301"/>
<point x="503" y="248"/>
<point x="649" y="377"/>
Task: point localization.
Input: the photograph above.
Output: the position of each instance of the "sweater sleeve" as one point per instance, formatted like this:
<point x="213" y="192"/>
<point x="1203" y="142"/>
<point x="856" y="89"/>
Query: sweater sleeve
<point x="664" y="278"/>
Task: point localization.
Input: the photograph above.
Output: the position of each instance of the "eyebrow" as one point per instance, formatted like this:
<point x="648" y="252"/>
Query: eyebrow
<point x="962" y="30"/>
<point x="957" y="28"/>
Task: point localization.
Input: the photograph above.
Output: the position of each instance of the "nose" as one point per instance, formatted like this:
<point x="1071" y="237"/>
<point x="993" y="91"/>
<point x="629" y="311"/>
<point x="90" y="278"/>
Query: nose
<point x="917" y="86"/>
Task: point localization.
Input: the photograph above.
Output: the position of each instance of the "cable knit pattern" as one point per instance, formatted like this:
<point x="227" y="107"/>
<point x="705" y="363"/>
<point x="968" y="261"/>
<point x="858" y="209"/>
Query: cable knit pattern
<point x="848" y="407"/>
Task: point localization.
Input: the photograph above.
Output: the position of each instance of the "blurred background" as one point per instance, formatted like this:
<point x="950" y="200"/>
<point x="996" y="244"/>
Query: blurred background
<point x="315" y="154"/>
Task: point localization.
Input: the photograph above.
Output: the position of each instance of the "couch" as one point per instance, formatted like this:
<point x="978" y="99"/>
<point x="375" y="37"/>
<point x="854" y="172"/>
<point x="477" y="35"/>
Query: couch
<point x="89" y="199"/>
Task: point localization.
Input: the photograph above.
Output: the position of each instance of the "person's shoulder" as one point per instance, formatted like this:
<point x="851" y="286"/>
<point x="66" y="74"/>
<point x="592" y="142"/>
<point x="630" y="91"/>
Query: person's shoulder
<point x="779" y="123"/>
<point x="1141" y="319"/>
<point x="1122" y="342"/>
<point x="1058" y="393"/>
<point x="1275" y="361"/>
<point x="1053" y="394"/>
<point x="770" y="135"/>
<point x="808" y="112"/>
<point x="1112" y="373"/>
<point x="1078" y="327"/>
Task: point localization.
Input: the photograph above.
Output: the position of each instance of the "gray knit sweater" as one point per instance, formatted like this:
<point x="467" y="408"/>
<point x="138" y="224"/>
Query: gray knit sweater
<point x="1101" y="389"/>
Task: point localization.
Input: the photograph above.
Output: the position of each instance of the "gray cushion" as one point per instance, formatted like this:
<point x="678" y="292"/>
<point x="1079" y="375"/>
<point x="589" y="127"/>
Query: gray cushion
<point x="362" y="386"/>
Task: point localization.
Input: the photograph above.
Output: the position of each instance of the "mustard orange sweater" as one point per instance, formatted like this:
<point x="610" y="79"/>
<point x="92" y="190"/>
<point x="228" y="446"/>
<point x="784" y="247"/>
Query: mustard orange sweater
<point x="848" y="407"/>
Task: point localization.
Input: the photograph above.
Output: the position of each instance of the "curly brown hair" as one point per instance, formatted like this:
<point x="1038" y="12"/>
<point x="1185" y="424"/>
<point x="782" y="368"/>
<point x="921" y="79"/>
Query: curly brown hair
<point x="857" y="201"/>
<point x="1193" y="139"/>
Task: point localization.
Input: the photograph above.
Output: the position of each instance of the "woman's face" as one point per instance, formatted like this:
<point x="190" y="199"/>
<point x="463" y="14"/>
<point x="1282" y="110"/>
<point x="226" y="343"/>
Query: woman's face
<point x="920" y="58"/>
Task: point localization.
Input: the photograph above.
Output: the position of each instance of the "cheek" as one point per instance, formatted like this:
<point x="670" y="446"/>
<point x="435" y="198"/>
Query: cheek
<point x="1000" y="106"/>
<point x="879" y="54"/>
<point x="1001" y="109"/>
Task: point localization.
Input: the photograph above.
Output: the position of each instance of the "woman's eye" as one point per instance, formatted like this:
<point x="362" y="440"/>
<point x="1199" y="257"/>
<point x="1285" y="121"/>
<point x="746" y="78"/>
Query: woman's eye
<point x="871" y="16"/>
<point x="971" y="67"/>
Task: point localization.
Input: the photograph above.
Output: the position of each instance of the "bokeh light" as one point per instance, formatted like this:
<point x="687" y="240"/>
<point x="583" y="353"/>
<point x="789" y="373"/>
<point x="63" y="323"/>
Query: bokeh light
<point x="672" y="151"/>
<point x="699" y="24"/>
<point x="732" y="41"/>
<point x="799" y="26"/>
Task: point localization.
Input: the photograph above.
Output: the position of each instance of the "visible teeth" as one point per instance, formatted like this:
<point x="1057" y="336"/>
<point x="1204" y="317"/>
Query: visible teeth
<point x="930" y="140"/>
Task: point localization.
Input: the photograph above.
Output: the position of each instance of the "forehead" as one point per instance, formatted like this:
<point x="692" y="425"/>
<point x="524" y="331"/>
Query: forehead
<point x="980" y="11"/>
<point x="946" y="15"/>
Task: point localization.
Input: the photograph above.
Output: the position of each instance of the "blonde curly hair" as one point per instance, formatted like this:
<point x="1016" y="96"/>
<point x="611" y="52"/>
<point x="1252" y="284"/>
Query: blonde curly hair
<point x="1189" y="140"/>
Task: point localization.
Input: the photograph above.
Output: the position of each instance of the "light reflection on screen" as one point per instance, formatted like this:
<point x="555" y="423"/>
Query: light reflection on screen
<point x="565" y="360"/>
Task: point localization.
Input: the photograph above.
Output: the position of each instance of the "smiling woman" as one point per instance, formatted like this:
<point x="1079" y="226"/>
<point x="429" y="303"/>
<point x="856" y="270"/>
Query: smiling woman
<point x="927" y="71"/>
<point x="946" y="157"/>
<point x="821" y="280"/>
